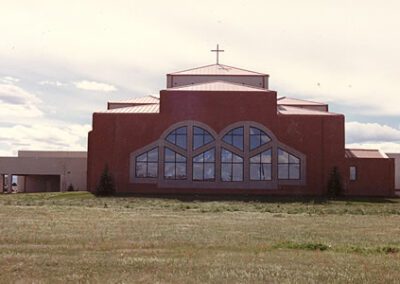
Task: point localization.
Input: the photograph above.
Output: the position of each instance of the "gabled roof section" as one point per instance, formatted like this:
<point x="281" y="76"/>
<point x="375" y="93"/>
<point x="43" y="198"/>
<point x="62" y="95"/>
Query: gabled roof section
<point x="365" y="153"/>
<point x="140" y="100"/>
<point x="218" y="69"/>
<point x="293" y="102"/>
<point x="218" y="86"/>
<point x="290" y="110"/>
<point x="149" y="108"/>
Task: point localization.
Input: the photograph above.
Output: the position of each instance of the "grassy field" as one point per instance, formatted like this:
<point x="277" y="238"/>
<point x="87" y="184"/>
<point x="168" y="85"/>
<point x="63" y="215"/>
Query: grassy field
<point x="76" y="237"/>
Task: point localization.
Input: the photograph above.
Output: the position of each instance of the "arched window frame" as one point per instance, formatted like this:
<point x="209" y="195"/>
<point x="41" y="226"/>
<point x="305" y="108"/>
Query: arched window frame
<point x="218" y="144"/>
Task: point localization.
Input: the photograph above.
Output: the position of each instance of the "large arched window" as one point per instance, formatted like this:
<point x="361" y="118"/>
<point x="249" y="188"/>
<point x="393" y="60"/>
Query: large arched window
<point x="244" y="154"/>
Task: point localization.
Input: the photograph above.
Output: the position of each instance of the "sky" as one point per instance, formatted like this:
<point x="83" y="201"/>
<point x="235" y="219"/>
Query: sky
<point x="60" y="61"/>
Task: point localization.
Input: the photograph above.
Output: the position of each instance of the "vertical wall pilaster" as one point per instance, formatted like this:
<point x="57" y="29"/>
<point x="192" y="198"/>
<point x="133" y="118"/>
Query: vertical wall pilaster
<point x="9" y="182"/>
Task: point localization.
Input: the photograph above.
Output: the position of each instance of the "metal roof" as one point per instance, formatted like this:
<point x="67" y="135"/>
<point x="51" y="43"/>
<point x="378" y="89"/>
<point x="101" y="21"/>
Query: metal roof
<point x="218" y="69"/>
<point x="140" y="100"/>
<point x="290" y="110"/>
<point x="364" y="153"/>
<point x="298" y="102"/>
<point x="218" y="86"/>
<point x="51" y="154"/>
<point x="150" y="108"/>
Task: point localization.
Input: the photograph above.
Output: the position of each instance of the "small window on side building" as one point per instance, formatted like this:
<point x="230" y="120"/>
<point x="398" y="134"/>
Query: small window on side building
<point x="353" y="173"/>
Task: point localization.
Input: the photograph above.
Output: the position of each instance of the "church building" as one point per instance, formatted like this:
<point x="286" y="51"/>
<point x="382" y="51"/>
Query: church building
<point x="220" y="130"/>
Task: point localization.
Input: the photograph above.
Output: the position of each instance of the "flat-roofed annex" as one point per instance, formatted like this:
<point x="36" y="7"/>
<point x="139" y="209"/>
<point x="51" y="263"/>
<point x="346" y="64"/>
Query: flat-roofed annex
<point x="364" y="153"/>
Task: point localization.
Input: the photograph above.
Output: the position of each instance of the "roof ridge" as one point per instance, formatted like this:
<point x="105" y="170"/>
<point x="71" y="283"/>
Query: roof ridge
<point x="305" y="110"/>
<point x="190" y="69"/>
<point x="135" y="98"/>
<point x="222" y="65"/>
<point x="303" y="100"/>
<point x="362" y="149"/>
<point x="147" y="108"/>
<point x="243" y="69"/>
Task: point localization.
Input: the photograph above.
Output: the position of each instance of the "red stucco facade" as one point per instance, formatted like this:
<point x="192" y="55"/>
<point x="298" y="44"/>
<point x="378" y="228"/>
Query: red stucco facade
<point x="319" y="136"/>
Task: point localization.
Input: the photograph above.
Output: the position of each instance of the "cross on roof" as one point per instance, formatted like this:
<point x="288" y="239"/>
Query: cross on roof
<point x="217" y="51"/>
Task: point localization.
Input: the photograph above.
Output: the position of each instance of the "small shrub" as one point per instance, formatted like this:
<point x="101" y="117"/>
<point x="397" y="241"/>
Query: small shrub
<point x="70" y="187"/>
<point x="389" y="249"/>
<point x="106" y="184"/>
<point x="302" y="246"/>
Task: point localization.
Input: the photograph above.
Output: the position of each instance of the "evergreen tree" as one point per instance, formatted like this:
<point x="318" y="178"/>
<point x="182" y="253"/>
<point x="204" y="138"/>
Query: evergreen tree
<point x="106" y="184"/>
<point x="335" y="183"/>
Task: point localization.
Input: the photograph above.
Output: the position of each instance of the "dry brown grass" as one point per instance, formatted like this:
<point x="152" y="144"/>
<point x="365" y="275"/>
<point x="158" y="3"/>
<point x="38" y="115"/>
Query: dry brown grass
<point x="79" y="238"/>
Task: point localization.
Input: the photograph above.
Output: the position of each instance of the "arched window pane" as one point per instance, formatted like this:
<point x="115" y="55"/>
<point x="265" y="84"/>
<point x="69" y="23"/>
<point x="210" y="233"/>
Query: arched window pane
<point x="288" y="165"/>
<point x="174" y="165"/>
<point x="294" y="171"/>
<point x="258" y="138"/>
<point x="142" y="158"/>
<point x="293" y="159"/>
<point x="283" y="171"/>
<point x="209" y="171"/>
<point x="153" y="155"/>
<point x="146" y="165"/>
<point x="169" y="155"/>
<point x="178" y="137"/>
<point x="204" y="166"/>
<point x="231" y="166"/>
<point x="201" y="137"/>
<point x="235" y="138"/>
<point x="260" y="166"/>
<point x="283" y="157"/>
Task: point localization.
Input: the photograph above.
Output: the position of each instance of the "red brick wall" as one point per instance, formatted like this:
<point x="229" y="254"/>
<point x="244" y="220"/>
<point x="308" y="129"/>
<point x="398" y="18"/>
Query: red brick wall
<point x="115" y="136"/>
<point x="375" y="177"/>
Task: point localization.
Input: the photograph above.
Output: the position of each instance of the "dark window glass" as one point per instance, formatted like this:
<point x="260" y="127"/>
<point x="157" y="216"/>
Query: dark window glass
<point x="204" y="166"/>
<point x="231" y="166"/>
<point x="353" y="173"/>
<point x="147" y="164"/>
<point x="174" y="165"/>
<point x="258" y="138"/>
<point x="178" y="137"/>
<point x="201" y="137"/>
<point x="288" y="165"/>
<point x="260" y="166"/>
<point x="235" y="138"/>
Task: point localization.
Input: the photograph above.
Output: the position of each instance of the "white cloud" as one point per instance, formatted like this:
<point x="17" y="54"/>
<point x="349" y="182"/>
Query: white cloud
<point x="52" y="83"/>
<point x="9" y="80"/>
<point x="372" y="136"/>
<point x="49" y="136"/>
<point x="357" y="132"/>
<point x="17" y="104"/>
<point x="94" y="86"/>
<point x="11" y="94"/>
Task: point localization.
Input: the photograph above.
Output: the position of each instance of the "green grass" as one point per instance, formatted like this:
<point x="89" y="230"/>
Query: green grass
<point x="76" y="237"/>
